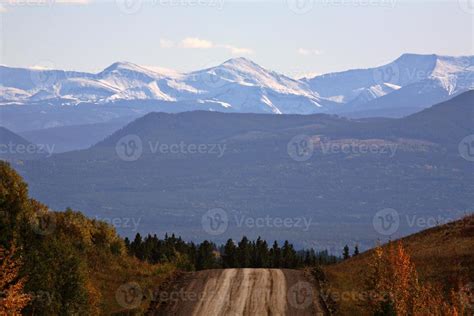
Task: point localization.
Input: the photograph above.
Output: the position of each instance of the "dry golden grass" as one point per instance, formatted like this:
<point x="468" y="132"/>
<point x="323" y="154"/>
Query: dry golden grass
<point x="442" y="255"/>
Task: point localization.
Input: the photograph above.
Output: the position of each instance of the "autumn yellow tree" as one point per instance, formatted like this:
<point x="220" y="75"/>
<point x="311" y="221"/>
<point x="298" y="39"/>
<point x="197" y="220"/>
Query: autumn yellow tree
<point x="396" y="290"/>
<point x="12" y="297"/>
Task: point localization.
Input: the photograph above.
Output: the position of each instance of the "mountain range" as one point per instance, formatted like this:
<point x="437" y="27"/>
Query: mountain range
<point x="50" y="98"/>
<point x="248" y="166"/>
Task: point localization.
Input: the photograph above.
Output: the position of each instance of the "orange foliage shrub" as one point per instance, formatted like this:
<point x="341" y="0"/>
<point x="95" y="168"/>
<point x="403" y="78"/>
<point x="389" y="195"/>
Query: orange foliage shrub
<point x="393" y="281"/>
<point x="12" y="298"/>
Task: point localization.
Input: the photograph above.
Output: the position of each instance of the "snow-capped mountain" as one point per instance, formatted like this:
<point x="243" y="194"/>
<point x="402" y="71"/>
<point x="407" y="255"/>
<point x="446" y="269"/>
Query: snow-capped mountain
<point x="435" y="78"/>
<point x="240" y="85"/>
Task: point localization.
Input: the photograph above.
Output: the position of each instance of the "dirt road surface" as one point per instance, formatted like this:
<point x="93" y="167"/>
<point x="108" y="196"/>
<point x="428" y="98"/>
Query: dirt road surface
<point x="240" y="292"/>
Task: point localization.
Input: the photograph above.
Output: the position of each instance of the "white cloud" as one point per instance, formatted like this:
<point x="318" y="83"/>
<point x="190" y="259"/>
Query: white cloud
<point x="199" y="43"/>
<point x="2" y="9"/>
<point x="166" y="43"/>
<point x="194" y="42"/>
<point x="307" y="52"/>
<point x="237" y="50"/>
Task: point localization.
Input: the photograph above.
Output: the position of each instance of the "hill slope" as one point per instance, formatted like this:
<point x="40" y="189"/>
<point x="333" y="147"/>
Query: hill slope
<point x="13" y="146"/>
<point x="442" y="255"/>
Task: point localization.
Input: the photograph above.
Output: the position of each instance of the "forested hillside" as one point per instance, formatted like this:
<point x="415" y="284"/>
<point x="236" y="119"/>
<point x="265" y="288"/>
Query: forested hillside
<point x="62" y="263"/>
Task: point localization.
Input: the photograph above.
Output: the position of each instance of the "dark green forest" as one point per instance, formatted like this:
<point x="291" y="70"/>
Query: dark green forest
<point x="207" y="255"/>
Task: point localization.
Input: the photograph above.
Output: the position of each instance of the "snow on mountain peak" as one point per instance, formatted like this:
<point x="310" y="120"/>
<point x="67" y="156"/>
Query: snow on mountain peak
<point x="243" y="85"/>
<point x="245" y="72"/>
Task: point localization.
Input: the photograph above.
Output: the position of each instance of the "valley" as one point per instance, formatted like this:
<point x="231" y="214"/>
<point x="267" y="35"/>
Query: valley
<point x="343" y="172"/>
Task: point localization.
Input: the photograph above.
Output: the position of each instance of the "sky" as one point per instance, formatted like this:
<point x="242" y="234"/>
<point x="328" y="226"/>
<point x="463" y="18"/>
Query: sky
<point x="294" y="37"/>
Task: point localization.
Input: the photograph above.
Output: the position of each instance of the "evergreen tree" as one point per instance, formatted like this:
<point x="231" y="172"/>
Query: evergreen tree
<point x="356" y="250"/>
<point x="244" y="255"/>
<point x="206" y="258"/>
<point x="136" y="247"/>
<point x="288" y="256"/>
<point x="261" y="258"/>
<point x="229" y="258"/>
<point x="345" y="252"/>
<point x="275" y="255"/>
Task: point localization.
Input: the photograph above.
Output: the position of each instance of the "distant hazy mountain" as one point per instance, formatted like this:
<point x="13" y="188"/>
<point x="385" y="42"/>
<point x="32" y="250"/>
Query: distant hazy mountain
<point x="74" y="137"/>
<point x="13" y="147"/>
<point x="412" y="165"/>
<point x="410" y="83"/>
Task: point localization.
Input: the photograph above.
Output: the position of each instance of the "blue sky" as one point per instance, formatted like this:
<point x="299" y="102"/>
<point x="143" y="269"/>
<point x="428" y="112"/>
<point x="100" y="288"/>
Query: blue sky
<point x="319" y="36"/>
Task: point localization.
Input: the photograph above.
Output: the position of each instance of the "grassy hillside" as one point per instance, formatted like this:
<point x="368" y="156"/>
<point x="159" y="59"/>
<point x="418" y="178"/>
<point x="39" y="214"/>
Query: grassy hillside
<point x="442" y="256"/>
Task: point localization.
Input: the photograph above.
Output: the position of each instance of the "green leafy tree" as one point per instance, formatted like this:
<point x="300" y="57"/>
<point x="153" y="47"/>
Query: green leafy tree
<point x="13" y="202"/>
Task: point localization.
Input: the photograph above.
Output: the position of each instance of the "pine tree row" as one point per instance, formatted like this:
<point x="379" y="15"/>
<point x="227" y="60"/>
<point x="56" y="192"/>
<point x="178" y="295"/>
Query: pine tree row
<point x="207" y="255"/>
